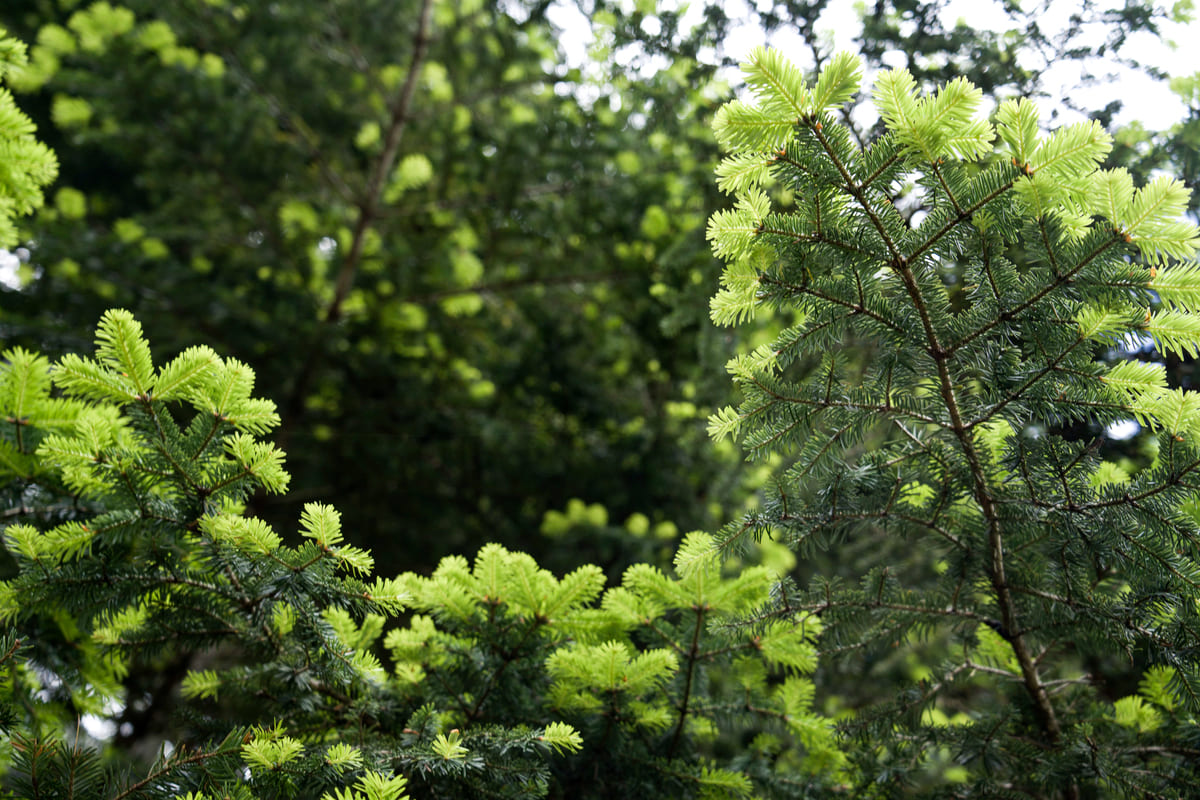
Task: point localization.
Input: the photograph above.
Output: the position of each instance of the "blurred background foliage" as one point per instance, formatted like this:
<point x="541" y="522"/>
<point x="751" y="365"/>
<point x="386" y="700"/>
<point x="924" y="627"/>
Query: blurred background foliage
<point x="462" y="246"/>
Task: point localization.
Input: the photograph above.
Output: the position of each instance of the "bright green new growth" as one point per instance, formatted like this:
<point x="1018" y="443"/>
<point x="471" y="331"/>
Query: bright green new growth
<point x="648" y="663"/>
<point x="132" y="552"/>
<point x="957" y="292"/>
<point x="26" y="165"/>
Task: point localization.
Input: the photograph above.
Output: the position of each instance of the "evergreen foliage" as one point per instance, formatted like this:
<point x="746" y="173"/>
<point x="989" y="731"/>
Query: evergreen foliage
<point x="26" y="165"/>
<point x="523" y="308"/>
<point x="159" y="640"/>
<point x="133" y="555"/>
<point x="915" y="399"/>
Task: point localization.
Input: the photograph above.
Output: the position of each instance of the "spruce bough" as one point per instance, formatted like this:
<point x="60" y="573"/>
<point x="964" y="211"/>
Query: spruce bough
<point x="959" y="291"/>
<point x="145" y="598"/>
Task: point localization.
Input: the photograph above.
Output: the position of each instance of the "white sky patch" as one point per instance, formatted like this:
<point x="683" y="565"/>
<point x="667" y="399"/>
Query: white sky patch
<point x="1145" y="99"/>
<point x="9" y="264"/>
<point x="102" y="728"/>
<point x="1122" y="430"/>
<point x="1136" y="342"/>
<point x="575" y="32"/>
<point x="99" y="728"/>
<point x="10" y="267"/>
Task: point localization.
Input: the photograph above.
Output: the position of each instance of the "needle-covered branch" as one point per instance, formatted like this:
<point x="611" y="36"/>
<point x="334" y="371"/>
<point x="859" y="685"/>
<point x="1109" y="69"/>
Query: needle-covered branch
<point x="925" y="420"/>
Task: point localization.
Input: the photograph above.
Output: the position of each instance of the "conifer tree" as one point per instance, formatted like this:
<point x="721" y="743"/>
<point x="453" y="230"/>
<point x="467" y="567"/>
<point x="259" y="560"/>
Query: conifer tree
<point x="137" y="571"/>
<point x="132" y="573"/>
<point x="913" y="401"/>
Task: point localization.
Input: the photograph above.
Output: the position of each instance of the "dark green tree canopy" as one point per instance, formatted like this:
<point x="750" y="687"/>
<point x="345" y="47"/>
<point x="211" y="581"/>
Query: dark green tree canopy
<point x="373" y="215"/>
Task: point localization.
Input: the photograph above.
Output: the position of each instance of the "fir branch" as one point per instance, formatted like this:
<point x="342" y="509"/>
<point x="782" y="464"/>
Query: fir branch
<point x="691" y="657"/>
<point x="983" y="497"/>
<point x="828" y="518"/>
<point x="875" y="408"/>
<point x="856" y="308"/>
<point x="1060" y="280"/>
<point x="1054" y="509"/>
<point x="962" y="214"/>
<point x="857" y="191"/>
<point x="872" y="605"/>
<point x="171" y="765"/>
<point x="1021" y="391"/>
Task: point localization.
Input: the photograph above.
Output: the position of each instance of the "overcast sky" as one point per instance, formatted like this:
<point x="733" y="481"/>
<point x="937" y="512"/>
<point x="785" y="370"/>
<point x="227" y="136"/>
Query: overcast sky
<point x="1146" y="100"/>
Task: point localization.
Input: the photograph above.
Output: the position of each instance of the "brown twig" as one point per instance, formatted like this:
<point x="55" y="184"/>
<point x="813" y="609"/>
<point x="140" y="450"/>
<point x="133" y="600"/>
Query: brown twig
<point x="368" y="211"/>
